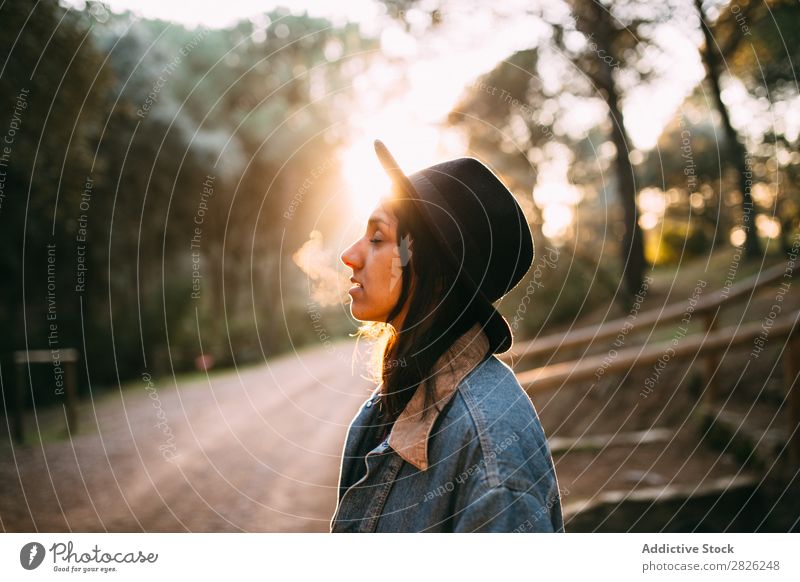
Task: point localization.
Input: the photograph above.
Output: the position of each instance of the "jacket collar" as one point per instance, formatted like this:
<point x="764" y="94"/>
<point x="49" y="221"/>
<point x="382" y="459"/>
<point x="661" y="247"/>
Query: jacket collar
<point x="409" y="435"/>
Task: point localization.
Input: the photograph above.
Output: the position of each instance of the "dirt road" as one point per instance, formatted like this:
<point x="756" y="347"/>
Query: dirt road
<point x="256" y="449"/>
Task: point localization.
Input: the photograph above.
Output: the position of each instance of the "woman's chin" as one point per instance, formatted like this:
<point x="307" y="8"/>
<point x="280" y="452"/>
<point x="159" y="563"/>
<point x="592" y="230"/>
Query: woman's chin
<point x="365" y="316"/>
<point x="359" y="314"/>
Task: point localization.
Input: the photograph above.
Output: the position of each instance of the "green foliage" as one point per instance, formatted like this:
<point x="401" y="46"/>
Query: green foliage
<point x="120" y="124"/>
<point x="53" y="63"/>
<point x="674" y="242"/>
<point x="764" y="40"/>
<point x="128" y="123"/>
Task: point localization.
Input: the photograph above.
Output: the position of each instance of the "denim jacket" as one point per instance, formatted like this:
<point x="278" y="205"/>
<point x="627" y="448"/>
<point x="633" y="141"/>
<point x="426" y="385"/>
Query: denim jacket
<point x="479" y="461"/>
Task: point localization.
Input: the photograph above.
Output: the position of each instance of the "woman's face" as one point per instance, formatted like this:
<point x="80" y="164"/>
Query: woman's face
<point x="377" y="268"/>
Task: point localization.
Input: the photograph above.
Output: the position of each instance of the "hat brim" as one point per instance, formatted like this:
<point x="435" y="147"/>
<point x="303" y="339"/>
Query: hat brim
<point x="494" y="324"/>
<point x="392" y="168"/>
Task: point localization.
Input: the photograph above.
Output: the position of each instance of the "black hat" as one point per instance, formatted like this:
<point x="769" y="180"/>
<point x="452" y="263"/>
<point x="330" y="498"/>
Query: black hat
<point x="482" y="230"/>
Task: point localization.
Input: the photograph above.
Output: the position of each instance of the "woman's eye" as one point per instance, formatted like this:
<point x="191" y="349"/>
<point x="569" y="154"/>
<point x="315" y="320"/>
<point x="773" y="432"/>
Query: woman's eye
<point x="375" y="240"/>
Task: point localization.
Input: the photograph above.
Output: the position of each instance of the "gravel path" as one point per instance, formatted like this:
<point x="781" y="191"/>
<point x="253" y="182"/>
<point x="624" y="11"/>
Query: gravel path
<point x="253" y="450"/>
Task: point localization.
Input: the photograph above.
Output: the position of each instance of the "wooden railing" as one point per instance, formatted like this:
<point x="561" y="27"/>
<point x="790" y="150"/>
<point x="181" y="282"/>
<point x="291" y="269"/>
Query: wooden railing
<point x="708" y="345"/>
<point x="706" y="305"/>
<point x="719" y="340"/>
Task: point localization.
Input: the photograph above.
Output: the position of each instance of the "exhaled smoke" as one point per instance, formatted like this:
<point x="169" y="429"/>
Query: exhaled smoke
<point x="329" y="284"/>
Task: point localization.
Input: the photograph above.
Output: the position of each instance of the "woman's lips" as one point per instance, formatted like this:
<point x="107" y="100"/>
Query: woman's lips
<point x="355" y="289"/>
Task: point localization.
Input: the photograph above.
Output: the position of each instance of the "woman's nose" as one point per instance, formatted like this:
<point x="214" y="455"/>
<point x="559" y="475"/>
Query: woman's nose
<point x="348" y="257"/>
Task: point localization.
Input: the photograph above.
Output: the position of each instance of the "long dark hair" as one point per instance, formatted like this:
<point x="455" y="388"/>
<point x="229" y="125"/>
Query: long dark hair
<point x="439" y="311"/>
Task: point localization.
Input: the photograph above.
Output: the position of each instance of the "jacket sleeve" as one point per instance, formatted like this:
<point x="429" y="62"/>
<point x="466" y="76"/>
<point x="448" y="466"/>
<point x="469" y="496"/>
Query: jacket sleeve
<point x="501" y="509"/>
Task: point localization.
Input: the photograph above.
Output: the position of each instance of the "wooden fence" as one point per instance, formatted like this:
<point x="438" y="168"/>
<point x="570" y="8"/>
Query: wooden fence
<point x="708" y="345"/>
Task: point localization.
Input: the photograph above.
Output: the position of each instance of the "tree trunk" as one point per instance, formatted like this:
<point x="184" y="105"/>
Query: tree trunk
<point x="632" y="250"/>
<point x="738" y="153"/>
<point x="632" y="239"/>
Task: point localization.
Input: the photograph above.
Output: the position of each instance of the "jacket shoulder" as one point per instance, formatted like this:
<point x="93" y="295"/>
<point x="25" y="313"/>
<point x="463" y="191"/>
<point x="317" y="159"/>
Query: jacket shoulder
<point x="500" y="428"/>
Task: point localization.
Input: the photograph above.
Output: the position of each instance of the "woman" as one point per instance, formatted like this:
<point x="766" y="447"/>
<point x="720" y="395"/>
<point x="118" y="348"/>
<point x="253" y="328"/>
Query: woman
<point x="448" y="441"/>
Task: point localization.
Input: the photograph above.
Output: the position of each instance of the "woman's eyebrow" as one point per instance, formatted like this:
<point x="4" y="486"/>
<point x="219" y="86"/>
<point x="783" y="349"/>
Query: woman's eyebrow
<point x="373" y="220"/>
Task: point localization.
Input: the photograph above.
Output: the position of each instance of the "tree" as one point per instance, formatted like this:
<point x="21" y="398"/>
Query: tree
<point x="713" y="56"/>
<point x="612" y="42"/>
<point x="768" y="64"/>
<point x="616" y="43"/>
<point x="53" y="85"/>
